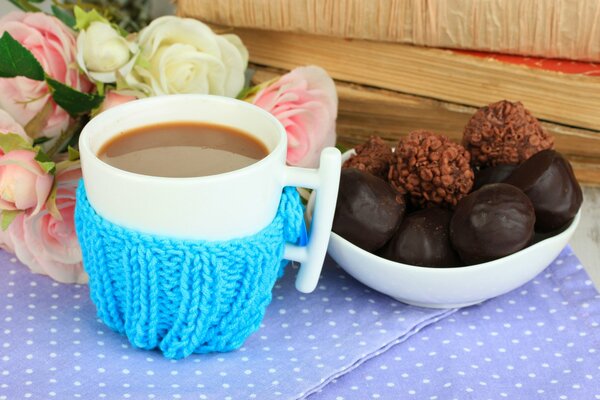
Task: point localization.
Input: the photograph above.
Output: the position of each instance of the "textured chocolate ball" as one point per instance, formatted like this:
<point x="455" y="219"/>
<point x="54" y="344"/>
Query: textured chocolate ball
<point x="423" y="239"/>
<point x="548" y="180"/>
<point x="496" y="174"/>
<point x="492" y="222"/>
<point x="373" y="157"/>
<point x="433" y="170"/>
<point x="368" y="210"/>
<point x="504" y="133"/>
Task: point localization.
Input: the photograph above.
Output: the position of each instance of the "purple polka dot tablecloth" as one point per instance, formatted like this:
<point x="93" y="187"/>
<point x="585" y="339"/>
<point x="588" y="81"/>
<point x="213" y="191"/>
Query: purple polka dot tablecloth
<point x="344" y="341"/>
<point x="541" y="341"/>
<point x="52" y="346"/>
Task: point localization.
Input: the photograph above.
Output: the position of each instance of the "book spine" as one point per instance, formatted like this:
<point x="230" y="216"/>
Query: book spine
<point x="568" y="99"/>
<point x="550" y="28"/>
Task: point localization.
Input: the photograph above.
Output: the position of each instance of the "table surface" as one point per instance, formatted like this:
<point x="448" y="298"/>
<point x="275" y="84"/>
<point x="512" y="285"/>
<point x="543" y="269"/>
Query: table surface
<point x="586" y="240"/>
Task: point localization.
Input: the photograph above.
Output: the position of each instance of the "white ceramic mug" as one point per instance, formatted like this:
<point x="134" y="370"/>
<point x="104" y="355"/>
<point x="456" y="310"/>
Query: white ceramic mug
<point x="217" y="207"/>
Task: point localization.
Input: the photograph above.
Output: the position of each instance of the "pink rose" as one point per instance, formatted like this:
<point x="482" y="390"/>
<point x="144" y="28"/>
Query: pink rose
<point x="305" y="102"/>
<point x="53" y="45"/>
<point x="48" y="245"/>
<point x="9" y="125"/>
<point x="24" y="185"/>
<point x="114" y="99"/>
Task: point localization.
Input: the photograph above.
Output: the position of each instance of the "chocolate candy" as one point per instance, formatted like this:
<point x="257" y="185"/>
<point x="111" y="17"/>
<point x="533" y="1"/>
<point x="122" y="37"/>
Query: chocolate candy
<point x="496" y="174"/>
<point x="433" y="170"/>
<point x="374" y="156"/>
<point x="504" y="133"/>
<point x="540" y="236"/>
<point x="423" y="239"/>
<point x="548" y="180"/>
<point x="368" y="209"/>
<point x="492" y="222"/>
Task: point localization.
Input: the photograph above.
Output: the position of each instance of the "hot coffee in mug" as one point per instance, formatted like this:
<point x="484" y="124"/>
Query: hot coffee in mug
<point x="200" y="167"/>
<point x="182" y="150"/>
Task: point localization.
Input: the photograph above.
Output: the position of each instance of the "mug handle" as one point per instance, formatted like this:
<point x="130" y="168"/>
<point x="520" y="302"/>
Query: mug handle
<point x="325" y="181"/>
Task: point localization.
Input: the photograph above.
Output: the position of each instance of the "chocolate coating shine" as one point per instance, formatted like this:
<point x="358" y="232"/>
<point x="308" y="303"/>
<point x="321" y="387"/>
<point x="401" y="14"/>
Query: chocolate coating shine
<point x="492" y="222"/>
<point x="496" y="174"/>
<point x="548" y="180"/>
<point x="423" y="239"/>
<point x="368" y="210"/>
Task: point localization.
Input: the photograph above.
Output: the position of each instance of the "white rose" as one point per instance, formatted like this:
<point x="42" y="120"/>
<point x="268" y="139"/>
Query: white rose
<point x="182" y="55"/>
<point x="102" y="51"/>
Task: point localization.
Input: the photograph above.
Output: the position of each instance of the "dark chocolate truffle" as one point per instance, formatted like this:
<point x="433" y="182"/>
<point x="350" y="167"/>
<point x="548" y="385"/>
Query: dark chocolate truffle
<point x="492" y="222"/>
<point x="423" y="239"/>
<point x="373" y="157"/>
<point x="548" y="180"/>
<point x="433" y="170"/>
<point x="496" y="174"/>
<point x="368" y="210"/>
<point x="504" y="133"/>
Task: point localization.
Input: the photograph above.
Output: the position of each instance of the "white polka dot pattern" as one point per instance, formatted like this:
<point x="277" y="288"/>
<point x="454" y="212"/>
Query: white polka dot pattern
<point x="53" y="347"/>
<point x="541" y="341"/>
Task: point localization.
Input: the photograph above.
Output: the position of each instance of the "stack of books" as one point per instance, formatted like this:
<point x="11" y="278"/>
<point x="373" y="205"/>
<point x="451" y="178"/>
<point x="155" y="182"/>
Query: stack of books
<point x="389" y="86"/>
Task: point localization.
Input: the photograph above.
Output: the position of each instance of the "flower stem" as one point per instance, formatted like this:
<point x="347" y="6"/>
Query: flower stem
<point x="66" y="137"/>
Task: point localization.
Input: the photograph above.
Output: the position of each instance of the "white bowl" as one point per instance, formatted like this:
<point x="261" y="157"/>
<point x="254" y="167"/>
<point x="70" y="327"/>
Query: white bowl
<point x="447" y="287"/>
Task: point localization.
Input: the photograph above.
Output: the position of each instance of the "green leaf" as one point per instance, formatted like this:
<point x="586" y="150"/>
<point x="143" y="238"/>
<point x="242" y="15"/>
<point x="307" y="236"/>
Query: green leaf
<point x="16" y="60"/>
<point x="73" y="101"/>
<point x="47" y="165"/>
<point x="65" y="16"/>
<point x="85" y="18"/>
<point x="67" y="137"/>
<point x="18" y="4"/>
<point x="73" y="154"/>
<point x="100" y="88"/>
<point x="25" y="6"/>
<point x="7" y="217"/>
<point x="12" y="141"/>
<point x="248" y="93"/>
<point x="40" y="140"/>
<point x="342" y="148"/>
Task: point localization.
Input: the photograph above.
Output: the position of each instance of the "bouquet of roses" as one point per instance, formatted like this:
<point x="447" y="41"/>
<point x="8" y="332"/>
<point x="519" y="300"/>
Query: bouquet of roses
<point x="58" y="71"/>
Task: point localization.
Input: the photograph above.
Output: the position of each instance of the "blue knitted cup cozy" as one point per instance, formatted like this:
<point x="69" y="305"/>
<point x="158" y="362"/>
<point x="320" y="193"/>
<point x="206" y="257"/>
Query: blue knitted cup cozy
<point x="183" y="296"/>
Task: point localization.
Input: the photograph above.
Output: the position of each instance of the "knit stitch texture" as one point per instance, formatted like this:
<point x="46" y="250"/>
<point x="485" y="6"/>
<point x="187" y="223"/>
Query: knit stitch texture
<point x="183" y="296"/>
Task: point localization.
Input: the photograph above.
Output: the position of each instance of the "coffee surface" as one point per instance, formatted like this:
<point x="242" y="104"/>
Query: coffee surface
<point x="182" y="149"/>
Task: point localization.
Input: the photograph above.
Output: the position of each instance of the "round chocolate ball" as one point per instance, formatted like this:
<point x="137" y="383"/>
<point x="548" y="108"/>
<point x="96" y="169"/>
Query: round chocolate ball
<point x="492" y="222"/>
<point x="368" y="209"/>
<point x="373" y="157"/>
<point x="496" y="174"/>
<point x="433" y="170"/>
<point x="423" y="239"/>
<point x="504" y="133"/>
<point x="548" y="180"/>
